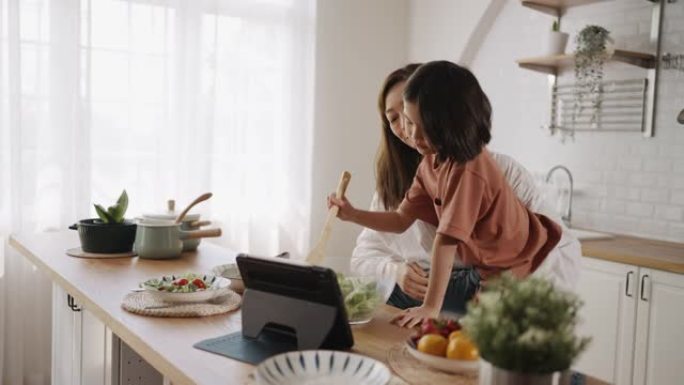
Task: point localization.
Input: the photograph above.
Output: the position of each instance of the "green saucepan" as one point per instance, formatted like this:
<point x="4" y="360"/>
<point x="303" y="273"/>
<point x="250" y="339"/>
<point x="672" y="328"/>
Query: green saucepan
<point x="162" y="239"/>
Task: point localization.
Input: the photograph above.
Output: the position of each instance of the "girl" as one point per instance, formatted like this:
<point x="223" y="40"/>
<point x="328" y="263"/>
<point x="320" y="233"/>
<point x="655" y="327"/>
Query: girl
<point x="459" y="189"/>
<point x="403" y="258"/>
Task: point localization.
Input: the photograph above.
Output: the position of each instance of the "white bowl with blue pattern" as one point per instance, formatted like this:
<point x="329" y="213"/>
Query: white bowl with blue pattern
<point x="327" y="367"/>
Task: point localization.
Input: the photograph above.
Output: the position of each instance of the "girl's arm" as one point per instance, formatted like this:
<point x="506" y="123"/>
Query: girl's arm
<point x="390" y="221"/>
<point x="442" y="261"/>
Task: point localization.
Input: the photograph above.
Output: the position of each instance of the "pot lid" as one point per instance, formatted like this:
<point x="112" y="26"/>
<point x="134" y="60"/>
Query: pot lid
<point x="171" y="214"/>
<point x="149" y="222"/>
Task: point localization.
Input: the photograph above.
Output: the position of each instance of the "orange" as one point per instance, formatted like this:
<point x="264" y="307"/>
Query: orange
<point x="460" y="348"/>
<point x="433" y="344"/>
<point x="454" y="334"/>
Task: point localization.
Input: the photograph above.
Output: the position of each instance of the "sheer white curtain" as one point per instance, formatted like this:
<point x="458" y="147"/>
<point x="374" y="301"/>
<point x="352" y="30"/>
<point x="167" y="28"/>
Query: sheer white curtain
<point x="167" y="99"/>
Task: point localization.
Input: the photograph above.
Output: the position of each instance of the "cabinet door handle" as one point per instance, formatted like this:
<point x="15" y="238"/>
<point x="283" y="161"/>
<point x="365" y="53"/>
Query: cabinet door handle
<point x="629" y="279"/>
<point x="643" y="285"/>
<point x="72" y="304"/>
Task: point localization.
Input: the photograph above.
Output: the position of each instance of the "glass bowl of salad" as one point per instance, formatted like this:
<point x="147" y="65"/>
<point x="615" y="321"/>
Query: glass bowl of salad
<point x="187" y="288"/>
<point x="363" y="295"/>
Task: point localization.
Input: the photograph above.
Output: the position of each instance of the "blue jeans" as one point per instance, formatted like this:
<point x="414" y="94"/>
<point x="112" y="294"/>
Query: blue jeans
<point x="463" y="285"/>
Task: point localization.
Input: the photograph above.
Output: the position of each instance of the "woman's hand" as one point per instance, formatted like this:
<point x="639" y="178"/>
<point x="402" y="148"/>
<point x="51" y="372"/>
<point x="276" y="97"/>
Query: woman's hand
<point x="413" y="280"/>
<point x="346" y="211"/>
<point x="411" y="317"/>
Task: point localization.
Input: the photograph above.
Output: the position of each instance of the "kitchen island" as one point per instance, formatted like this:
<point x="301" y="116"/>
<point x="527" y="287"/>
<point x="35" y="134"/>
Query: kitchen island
<point x="166" y="343"/>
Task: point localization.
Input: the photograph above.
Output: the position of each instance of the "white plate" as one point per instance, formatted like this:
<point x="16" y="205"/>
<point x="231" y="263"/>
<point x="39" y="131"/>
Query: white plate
<point x="217" y="289"/>
<point x="321" y="367"/>
<point x="231" y="272"/>
<point x="442" y="363"/>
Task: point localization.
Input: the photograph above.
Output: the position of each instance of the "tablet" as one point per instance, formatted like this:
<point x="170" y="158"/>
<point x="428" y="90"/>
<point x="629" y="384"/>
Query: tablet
<point x="303" y="282"/>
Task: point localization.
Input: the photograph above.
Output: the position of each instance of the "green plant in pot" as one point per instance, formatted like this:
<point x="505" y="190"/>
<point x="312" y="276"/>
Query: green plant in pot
<point x="525" y="329"/>
<point x="591" y="52"/>
<point x="111" y="232"/>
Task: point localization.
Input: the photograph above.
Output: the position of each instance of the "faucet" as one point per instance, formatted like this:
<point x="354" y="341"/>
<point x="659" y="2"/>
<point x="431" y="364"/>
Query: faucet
<point x="568" y="214"/>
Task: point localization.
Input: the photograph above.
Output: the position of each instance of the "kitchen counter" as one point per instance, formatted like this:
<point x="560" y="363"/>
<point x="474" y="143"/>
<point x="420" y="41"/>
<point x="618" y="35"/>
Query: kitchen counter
<point x="661" y="255"/>
<point x="99" y="285"/>
<point x="166" y="343"/>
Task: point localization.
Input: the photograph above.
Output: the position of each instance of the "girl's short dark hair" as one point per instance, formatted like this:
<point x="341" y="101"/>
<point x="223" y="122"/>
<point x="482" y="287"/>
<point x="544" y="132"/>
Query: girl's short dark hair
<point x="456" y="113"/>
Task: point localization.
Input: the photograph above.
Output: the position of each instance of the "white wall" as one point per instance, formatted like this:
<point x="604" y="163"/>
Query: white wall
<point x="440" y="29"/>
<point x="358" y="43"/>
<point x="626" y="183"/>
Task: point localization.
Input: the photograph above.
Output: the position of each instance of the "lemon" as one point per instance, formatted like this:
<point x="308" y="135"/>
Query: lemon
<point x="434" y="344"/>
<point x="454" y="334"/>
<point x="461" y="348"/>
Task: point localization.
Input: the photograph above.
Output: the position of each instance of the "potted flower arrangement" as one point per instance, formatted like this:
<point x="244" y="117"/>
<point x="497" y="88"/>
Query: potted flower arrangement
<point x="525" y="329"/>
<point x="111" y="232"/>
<point x="593" y="47"/>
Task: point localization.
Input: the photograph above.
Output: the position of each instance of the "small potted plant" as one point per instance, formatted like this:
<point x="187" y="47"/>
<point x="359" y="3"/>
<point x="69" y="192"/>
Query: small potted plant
<point x="557" y="40"/>
<point x="111" y="232"/>
<point x="525" y="329"/>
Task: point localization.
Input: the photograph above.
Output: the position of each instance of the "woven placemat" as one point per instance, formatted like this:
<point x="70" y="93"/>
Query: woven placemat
<point x="79" y="253"/>
<point x="415" y="372"/>
<point x="146" y="304"/>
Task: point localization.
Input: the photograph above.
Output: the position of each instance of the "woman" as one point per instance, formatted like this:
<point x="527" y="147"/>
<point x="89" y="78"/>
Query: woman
<point x="405" y="257"/>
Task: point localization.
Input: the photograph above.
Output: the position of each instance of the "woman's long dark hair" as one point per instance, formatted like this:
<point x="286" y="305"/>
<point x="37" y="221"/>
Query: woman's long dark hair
<point x="396" y="163"/>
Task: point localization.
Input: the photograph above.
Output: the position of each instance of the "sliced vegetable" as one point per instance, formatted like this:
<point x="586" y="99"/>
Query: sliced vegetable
<point x="360" y="297"/>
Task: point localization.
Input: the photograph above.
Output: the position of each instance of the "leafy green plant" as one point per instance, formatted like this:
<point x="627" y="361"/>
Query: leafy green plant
<point x="590" y="56"/>
<point x="115" y="213"/>
<point x="525" y="326"/>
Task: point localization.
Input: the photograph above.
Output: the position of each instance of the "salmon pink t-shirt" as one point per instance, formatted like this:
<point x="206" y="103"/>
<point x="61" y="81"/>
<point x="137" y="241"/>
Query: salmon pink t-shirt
<point x="474" y="204"/>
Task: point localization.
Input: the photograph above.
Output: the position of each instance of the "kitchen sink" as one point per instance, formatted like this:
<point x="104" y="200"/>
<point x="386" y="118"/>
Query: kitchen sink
<point x="585" y="235"/>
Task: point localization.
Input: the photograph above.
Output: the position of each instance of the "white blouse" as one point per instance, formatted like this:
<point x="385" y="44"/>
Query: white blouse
<point x="384" y="254"/>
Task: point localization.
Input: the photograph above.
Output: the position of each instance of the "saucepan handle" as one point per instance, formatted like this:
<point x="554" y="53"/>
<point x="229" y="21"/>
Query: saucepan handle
<point x="196" y="234"/>
<point x="74" y="226"/>
<point x="199" y="223"/>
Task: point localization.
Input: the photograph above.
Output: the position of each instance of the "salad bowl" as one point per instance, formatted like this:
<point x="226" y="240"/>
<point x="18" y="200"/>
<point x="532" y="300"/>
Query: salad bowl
<point x="187" y="288"/>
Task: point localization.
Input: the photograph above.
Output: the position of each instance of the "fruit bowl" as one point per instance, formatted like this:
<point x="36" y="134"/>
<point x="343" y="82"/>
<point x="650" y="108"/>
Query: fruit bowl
<point x="444" y="364"/>
<point x="362" y="296"/>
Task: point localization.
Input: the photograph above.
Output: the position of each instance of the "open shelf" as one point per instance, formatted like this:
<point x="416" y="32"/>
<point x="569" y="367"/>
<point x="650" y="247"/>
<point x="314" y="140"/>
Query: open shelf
<point x="551" y="64"/>
<point x="555" y="7"/>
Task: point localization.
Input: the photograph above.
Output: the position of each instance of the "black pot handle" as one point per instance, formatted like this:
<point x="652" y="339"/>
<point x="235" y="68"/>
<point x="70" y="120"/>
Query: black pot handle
<point x="74" y="226"/>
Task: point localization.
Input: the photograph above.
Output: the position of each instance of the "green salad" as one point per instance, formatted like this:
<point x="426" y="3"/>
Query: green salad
<point x="185" y="283"/>
<point x="360" y="295"/>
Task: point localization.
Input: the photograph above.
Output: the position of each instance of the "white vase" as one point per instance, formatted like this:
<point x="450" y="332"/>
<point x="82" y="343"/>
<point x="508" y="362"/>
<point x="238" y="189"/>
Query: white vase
<point x="557" y="43"/>
<point x="491" y="375"/>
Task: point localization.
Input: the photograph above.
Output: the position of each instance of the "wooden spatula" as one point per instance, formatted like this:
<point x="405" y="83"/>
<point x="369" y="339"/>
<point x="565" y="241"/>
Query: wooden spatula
<point x="317" y="254"/>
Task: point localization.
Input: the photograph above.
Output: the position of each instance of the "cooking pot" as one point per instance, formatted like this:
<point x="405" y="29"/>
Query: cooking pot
<point x="163" y="239"/>
<point x="190" y="222"/>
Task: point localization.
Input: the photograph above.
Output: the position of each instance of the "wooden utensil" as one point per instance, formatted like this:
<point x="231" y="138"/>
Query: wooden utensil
<point x="317" y="254"/>
<point x="199" y="199"/>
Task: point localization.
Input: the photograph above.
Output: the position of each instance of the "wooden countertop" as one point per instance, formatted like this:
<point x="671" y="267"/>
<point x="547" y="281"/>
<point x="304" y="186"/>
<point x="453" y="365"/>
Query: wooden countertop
<point x="661" y="255"/>
<point x="100" y="285"/>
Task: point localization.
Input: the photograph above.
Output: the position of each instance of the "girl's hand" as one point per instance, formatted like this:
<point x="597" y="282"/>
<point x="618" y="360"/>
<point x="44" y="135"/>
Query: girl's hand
<point x="413" y="280"/>
<point x="346" y="210"/>
<point x="411" y="317"/>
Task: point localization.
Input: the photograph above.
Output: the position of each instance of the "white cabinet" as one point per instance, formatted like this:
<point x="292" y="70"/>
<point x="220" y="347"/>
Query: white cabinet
<point x="635" y="317"/>
<point x="83" y="349"/>
<point x="86" y="352"/>
<point x="659" y="349"/>
<point x="608" y="317"/>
